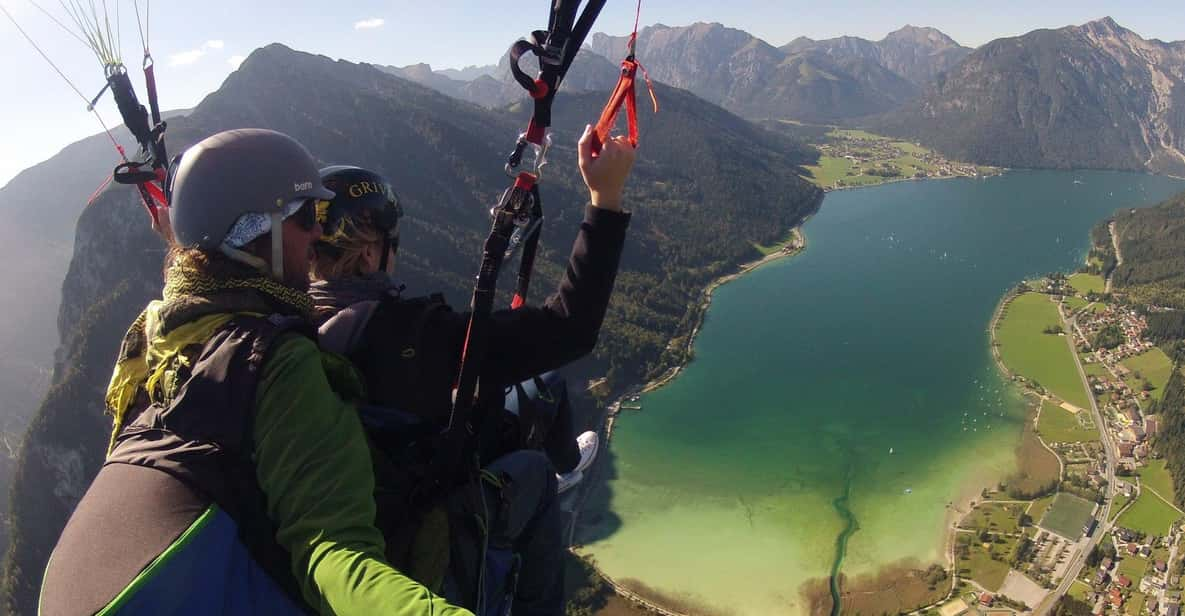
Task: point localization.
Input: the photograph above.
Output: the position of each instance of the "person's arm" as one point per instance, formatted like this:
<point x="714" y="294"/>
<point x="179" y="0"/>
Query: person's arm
<point x="536" y="339"/>
<point x="314" y="466"/>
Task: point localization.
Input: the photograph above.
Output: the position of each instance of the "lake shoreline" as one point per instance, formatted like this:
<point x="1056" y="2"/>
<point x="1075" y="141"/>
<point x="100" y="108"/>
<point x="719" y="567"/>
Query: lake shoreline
<point x="639" y="538"/>
<point x="795" y="246"/>
<point x="792" y="248"/>
<point x="896" y="573"/>
<point x="1003" y="171"/>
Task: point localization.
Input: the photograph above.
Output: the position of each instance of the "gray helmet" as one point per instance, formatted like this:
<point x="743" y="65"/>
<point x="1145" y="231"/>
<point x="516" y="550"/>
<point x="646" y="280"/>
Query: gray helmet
<point x="235" y="172"/>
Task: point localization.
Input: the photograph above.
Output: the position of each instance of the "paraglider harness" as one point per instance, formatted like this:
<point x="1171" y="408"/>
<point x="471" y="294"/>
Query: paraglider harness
<point x="517" y="220"/>
<point x="147" y="172"/>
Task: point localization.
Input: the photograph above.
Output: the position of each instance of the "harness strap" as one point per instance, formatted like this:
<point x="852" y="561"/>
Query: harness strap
<point x="150" y="86"/>
<point x="530" y="246"/>
<point x="555" y="48"/>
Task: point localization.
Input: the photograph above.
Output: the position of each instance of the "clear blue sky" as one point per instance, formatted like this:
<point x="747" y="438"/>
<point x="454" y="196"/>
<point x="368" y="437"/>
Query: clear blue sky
<point x="195" y="43"/>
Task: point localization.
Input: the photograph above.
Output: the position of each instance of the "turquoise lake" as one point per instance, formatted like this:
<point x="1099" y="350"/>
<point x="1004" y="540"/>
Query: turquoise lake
<point x="809" y="370"/>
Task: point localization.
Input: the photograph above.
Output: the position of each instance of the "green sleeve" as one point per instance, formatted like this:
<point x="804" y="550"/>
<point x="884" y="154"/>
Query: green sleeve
<point x="313" y="464"/>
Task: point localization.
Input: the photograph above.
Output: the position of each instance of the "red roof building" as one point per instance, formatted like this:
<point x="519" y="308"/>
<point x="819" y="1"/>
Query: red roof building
<point x="1123" y="581"/>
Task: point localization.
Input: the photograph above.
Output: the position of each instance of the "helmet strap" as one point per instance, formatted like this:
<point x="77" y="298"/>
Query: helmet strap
<point x="386" y="253"/>
<point x="243" y="257"/>
<point x="278" y="245"/>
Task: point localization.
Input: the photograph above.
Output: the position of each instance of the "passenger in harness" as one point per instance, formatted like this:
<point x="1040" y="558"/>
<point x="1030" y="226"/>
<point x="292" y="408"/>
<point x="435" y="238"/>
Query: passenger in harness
<point x="503" y="520"/>
<point x="238" y="480"/>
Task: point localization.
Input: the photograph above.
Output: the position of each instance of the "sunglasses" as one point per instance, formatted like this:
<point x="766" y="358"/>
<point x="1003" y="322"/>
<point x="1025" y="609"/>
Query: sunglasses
<point x="306" y="216"/>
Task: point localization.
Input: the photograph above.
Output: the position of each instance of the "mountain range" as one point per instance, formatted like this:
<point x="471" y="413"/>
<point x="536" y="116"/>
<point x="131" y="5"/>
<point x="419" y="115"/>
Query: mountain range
<point x="1090" y="96"/>
<point x="917" y="54"/>
<point x="825" y="80"/>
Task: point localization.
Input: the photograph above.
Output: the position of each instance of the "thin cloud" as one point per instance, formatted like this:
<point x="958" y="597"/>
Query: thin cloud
<point x="235" y="61"/>
<point x="186" y="57"/>
<point x="369" y="24"/>
<point x="193" y="55"/>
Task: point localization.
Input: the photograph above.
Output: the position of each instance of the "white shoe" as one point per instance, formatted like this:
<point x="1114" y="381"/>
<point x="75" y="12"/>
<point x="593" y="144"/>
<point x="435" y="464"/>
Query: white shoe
<point x="588" y="443"/>
<point x="567" y="481"/>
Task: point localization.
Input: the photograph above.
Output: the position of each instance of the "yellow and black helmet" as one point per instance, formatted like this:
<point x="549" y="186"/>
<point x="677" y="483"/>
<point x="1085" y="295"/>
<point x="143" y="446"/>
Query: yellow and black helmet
<point x="362" y="198"/>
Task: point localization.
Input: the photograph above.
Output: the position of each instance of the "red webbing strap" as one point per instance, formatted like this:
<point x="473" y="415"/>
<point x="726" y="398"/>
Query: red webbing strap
<point x="158" y="195"/>
<point x="623" y="94"/>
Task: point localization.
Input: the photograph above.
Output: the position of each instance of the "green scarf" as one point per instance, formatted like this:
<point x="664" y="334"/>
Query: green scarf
<point x="194" y="306"/>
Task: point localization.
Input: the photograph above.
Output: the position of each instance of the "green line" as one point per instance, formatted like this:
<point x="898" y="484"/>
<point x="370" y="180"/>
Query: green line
<point x="150" y="571"/>
<point x="841" y="542"/>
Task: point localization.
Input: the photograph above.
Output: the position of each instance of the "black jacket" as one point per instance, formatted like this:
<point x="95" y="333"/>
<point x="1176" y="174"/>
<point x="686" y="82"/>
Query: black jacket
<point x="410" y="351"/>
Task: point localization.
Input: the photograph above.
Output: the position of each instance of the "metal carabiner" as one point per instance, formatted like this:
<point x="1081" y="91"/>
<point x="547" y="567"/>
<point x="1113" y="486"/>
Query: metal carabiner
<point x="541" y="156"/>
<point x="538" y="161"/>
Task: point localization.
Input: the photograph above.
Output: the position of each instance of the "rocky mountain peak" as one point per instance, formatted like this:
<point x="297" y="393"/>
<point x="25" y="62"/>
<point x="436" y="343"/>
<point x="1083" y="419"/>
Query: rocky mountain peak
<point x="422" y="68"/>
<point x="1104" y="24"/>
<point x="921" y="35"/>
<point x="1032" y="100"/>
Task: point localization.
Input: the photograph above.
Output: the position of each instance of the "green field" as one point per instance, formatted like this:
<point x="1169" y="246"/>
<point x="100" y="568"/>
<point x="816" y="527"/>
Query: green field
<point x="1074" y="304"/>
<point x="1040" y="357"/>
<point x="855" y="133"/>
<point x="769" y="250"/>
<point x="1133" y="567"/>
<point x="1153" y="365"/>
<point x="836" y="171"/>
<point x="833" y="171"/>
<point x="1157" y="477"/>
<point x="1117" y="505"/>
<point x="1135" y="604"/>
<point x="1094" y="368"/>
<point x="1038" y="507"/>
<point x="1079" y="590"/>
<point x="1058" y="425"/>
<point x="1149" y="515"/>
<point x="994" y="517"/>
<point x="981" y="567"/>
<point x="1067" y="515"/>
<point x="1085" y="283"/>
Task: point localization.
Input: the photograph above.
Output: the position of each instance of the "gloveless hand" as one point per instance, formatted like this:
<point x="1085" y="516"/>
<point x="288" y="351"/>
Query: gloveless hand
<point x="606" y="174"/>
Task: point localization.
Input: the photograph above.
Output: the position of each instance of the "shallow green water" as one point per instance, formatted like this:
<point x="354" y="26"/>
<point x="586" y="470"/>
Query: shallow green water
<point x="809" y="370"/>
